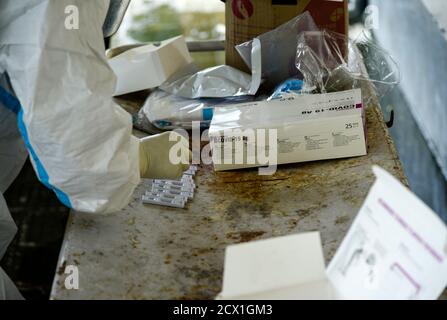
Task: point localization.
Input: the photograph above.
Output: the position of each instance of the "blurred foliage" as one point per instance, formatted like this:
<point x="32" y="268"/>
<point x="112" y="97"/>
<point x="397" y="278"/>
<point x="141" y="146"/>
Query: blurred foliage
<point x="156" y="24"/>
<point x="160" y="22"/>
<point x="202" y="25"/>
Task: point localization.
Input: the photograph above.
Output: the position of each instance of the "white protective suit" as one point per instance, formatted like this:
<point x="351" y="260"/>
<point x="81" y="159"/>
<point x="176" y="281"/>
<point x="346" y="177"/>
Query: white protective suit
<point x="55" y="99"/>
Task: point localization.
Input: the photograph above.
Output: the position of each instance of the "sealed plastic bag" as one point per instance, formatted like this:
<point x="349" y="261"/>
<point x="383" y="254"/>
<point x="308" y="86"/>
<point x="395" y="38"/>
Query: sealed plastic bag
<point x="331" y="62"/>
<point x="167" y="111"/>
<point x="219" y="81"/>
<point x="278" y="49"/>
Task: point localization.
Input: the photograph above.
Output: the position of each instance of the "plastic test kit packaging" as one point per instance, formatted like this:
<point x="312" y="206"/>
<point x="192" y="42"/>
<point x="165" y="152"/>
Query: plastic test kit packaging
<point x="168" y="111"/>
<point x="217" y="82"/>
<point x="171" y="193"/>
<point x="308" y="127"/>
<point x="246" y="20"/>
<point x="396" y="248"/>
<point x="149" y="66"/>
<point x="278" y="49"/>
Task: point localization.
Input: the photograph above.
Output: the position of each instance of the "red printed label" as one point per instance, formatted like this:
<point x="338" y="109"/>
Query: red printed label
<point x="242" y="9"/>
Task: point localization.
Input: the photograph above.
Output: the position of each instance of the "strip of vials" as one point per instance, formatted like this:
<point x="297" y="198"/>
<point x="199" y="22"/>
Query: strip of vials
<point x="171" y="193"/>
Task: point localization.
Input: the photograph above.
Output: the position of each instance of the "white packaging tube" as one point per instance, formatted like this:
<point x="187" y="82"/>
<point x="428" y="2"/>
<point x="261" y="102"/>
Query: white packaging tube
<point x="176" y="203"/>
<point x="188" y="185"/>
<point x="189" y="189"/>
<point x="171" y="193"/>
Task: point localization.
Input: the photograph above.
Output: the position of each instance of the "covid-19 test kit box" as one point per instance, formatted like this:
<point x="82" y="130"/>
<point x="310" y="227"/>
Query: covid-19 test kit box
<point x="296" y="128"/>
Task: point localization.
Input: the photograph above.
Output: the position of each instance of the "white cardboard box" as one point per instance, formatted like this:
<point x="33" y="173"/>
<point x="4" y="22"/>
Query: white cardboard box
<point x="149" y="66"/>
<point x="308" y="127"/>
<point x="396" y="248"/>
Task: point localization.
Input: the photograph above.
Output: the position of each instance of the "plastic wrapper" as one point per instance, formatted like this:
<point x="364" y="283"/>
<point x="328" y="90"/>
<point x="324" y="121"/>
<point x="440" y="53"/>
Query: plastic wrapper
<point x="278" y="49"/>
<point x="166" y="111"/>
<point x="219" y="81"/>
<point x="331" y="62"/>
<point x="289" y="87"/>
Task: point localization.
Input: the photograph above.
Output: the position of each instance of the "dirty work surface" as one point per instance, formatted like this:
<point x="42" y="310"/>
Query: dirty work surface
<point x="151" y="252"/>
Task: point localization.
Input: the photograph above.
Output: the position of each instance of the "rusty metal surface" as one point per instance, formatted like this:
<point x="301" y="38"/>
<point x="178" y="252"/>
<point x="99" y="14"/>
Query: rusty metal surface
<point x="152" y="252"/>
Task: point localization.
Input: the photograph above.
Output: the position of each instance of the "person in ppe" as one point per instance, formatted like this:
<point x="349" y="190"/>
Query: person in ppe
<point x="56" y="106"/>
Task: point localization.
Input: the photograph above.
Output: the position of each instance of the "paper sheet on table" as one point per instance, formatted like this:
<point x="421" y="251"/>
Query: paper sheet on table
<point x="395" y="249"/>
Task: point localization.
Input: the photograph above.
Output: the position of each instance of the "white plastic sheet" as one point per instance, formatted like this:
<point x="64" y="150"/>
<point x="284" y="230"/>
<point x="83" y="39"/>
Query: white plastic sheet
<point x="278" y="49"/>
<point x="219" y="81"/>
<point x="168" y="111"/>
<point x="332" y="62"/>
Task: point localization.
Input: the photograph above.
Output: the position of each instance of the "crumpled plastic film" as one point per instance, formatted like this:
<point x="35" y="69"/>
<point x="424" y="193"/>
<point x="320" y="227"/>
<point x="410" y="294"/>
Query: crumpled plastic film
<point x="278" y="48"/>
<point x="383" y="70"/>
<point x="167" y="111"/>
<point x="289" y="87"/>
<point x="331" y="62"/>
<point x="217" y="82"/>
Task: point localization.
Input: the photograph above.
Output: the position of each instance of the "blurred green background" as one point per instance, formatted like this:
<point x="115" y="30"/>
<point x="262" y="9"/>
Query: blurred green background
<point x="156" y="20"/>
